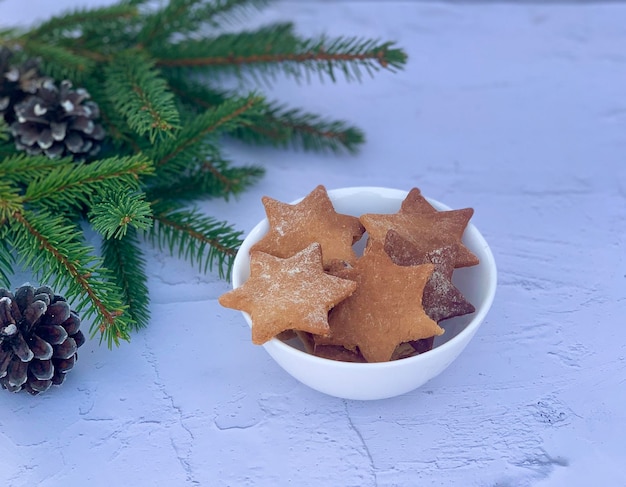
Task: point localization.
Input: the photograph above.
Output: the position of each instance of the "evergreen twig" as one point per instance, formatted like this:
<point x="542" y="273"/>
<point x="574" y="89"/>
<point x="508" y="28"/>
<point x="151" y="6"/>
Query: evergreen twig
<point x="74" y="185"/>
<point x="202" y="240"/>
<point x="212" y="178"/>
<point x="6" y="259"/>
<point x="224" y="117"/>
<point x="61" y="26"/>
<point x="275" y="49"/>
<point x="282" y="126"/>
<point x="160" y="25"/>
<point x="113" y="214"/>
<point x="276" y="124"/>
<point x="125" y="255"/>
<point x="22" y="168"/>
<point x="137" y="92"/>
<point x="58" y="61"/>
<point x="65" y="262"/>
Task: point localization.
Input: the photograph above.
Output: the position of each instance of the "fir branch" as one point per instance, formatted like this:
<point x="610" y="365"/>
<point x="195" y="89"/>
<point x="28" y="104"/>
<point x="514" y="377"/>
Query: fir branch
<point x="229" y="11"/>
<point x="72" y="185"/>
<point x="101" y="41"/>
<point x="198" y="170"/>
<point x="113" y="214"/>
<point x="271" y="40"/>
<point x="195" y="96"/>
<point x="164" y="21"/>
<point x="122" y="138"/>
<point x="59" y="62"/>
<point x="6" y="259"/>
<point x="196" y="237"/>
<point x="124" y="257"/>
<point x="69" y="22"/>
<point x="273" y="49"/>
<point x="22" y="168"/>
<point x="211" y="179"/>
<point x="11" y="201"/>
<point x="50" y="246"/>
<point x="276" y="124"/>
<point x="135" y="3"/>
<point x="187" y="16"/>
<point x="139" y="93"/>
<point x="224" y="117"/>
<point x="281" y="127"/>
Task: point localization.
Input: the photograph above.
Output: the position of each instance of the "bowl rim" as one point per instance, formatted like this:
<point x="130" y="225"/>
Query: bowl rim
<point x="469" y="329"/>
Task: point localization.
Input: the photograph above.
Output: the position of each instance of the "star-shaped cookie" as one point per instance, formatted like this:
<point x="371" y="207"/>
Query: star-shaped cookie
<point x="425" y="227"/>
<point x="288" y="294"/>
<point x="384" y="311"/>
<point x="314" y="219"/>
<point x="441" y="299"/>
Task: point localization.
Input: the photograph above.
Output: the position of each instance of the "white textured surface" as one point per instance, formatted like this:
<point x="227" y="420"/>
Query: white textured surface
<point x="517" y="111"/>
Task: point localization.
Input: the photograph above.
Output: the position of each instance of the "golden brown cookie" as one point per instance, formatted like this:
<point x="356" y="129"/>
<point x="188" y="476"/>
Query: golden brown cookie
<point x="425" y="227"/>
<point x="441" y="299"/>
<point x="288" y="294"/>
<point x="314" y="219"/>
<point x="384" y="311"/>
<point x="418" y="204"/>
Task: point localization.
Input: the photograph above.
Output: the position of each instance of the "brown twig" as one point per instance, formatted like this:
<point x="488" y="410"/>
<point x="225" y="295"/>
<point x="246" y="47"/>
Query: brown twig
<point x="165" y="159"/>
<point x="270" y="58"/>
<point x="163" y="220"/>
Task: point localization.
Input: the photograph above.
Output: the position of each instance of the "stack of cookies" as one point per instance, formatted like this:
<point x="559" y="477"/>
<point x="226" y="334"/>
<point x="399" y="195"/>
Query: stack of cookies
<point x="306" y="280"/>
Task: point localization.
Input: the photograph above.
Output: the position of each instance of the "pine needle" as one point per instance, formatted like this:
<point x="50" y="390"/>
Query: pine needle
<point x="7" y="259"/>
<point x="138" y="92"/>
<point x="275" y="49"/>
<point x="193" y="15"/>
<point x="276" y="124"/>
<point x="73" y="185"/>
<point x="212" y="179"/>
<point x="124" y="256"/>
<point x="22" y="168"/>
<point x="51" y="247"/>
<point x="283" y="127"/>
<point x="59" y="62"/>
<point x="190" y="235"/>
<point x="113" y="214"/>
<point x="67" y="23"/>
<point x="224" y="118"/>
<point x="11" y="201"/>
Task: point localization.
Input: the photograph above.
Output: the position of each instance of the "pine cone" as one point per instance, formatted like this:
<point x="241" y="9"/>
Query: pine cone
<point x="58" y="122"/>
<point x="16" y="82"/>
<point x="39" y="336"/>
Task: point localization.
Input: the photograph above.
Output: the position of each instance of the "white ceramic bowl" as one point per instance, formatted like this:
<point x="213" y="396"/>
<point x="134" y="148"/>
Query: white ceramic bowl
<point x="381" y="380"/>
